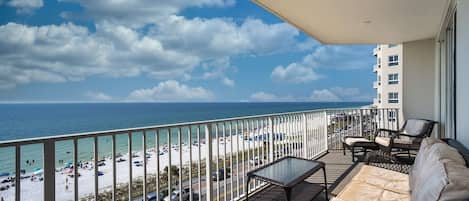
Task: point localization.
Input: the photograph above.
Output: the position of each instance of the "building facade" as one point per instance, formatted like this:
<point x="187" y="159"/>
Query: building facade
<point x="388" y="84"/>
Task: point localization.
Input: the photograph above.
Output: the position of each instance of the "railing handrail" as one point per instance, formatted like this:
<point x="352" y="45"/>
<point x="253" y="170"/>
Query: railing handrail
<point x="62" y="137"/>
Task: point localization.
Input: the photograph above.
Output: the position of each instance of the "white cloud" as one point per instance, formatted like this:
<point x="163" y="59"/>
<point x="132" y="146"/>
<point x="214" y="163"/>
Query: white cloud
<point x="169" y="47"/>
<point x="221" y="37"/>
<point x="332" y="57"/>
<point x="217" y="69"/>
<point x="137" y="13"/>
<point x="25" y="6"/>
<point x="340" y="57"/>
<point x="171" y="90"/>
<point x="336" y="94"/>
<point x="98" y="96"/>
<point x="69" y="52"/>
<point x="263" y="96"/>
<point x="268" y="97"/>
<point x="228" y="82"/>
<point x="294" y="73"/>
<point x="346" y="92"/>
<point x="324" y="95"/>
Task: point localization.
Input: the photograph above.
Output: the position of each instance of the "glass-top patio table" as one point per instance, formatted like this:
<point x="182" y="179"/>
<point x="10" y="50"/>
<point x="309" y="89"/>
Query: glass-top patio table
<point x="286" y="173"/>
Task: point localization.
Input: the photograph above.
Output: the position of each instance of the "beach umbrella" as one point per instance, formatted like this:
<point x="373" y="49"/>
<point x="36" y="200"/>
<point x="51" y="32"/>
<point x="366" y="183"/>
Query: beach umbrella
<point x="38" y="172"/>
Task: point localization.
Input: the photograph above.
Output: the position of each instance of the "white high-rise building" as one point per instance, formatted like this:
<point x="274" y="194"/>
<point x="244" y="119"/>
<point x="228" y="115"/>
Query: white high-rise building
<point x="388" y="84"/>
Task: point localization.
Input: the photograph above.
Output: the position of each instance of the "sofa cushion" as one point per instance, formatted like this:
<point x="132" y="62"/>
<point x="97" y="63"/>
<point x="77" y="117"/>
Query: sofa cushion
<point x="420" y="159"/>
<point x="430" y="183"/>
<point x="374" y="183"/>
<point x="445" y="181"/>
<point x="383" y="178"/>
<point x="439" y="174"/>
<point x="443" y="152"/>
<point x="457" y="187"/>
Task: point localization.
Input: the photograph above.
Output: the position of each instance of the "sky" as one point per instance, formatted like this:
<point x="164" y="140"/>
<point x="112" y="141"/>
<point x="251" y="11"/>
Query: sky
<point x="169" y="51"/>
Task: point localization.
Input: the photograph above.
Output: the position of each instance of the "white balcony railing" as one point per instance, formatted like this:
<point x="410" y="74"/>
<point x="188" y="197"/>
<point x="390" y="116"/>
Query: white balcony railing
<point x="375" y="51"/>
<point x="375" y="68"/>
<point x="208" y="158"/>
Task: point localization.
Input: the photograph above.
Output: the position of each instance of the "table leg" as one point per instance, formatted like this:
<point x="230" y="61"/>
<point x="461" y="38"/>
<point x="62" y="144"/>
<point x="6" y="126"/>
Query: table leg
<point x="288" y="193"/>
<point x="325" y="182"/>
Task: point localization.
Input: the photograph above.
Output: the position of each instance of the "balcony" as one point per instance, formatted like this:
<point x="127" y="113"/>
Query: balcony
<point x="375" y="102"/>
<point x="213" y="156"/>
<point x="375" y="68"/>
<point x="376" y="84"/>
<point x="375" y="51"/>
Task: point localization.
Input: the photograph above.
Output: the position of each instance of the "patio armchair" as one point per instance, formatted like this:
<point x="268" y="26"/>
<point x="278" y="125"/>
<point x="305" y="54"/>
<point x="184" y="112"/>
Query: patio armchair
<point x="407" y="138"/>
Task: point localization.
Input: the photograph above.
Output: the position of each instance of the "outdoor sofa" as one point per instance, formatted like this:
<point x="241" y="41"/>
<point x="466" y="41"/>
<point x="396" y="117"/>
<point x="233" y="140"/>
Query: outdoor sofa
<point x="440" y="172"/>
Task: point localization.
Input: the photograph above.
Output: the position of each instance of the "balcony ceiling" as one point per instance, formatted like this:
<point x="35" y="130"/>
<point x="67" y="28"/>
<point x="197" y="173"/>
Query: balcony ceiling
<point x="362" y="21"/>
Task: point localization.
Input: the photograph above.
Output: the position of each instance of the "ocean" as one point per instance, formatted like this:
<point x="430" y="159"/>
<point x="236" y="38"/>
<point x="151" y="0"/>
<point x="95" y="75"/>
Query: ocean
<point x="19" y="121"/>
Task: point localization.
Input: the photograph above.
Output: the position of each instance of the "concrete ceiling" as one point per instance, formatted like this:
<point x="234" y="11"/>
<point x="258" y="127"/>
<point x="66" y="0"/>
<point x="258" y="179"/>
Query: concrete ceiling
<point x="362" y="21"/>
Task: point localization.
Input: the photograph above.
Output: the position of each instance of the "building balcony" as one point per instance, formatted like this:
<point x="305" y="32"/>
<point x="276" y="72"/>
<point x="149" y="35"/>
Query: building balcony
<point x="375" y="68"/>
<point x="376" y="84"/>
<point x="376" y="102"/>
<point x="199" y="149"/>
<point x="375" y="51"/>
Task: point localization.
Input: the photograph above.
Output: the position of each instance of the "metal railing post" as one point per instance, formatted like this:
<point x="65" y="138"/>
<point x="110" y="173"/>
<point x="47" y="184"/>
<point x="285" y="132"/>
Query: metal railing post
<point x="271" y="139"/>
<point x="361" y="122"/>
<point x="326" y="132"/>
<point x="208" y="162"/>
<point x="18" y="172"/>
<point x="305" y="153"/>
<point x="49" y="170"/>
<point x="397" y="119"/>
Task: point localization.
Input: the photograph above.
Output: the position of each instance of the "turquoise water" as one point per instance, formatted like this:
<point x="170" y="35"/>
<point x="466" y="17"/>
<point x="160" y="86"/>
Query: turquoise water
<point x="18" y="121"/>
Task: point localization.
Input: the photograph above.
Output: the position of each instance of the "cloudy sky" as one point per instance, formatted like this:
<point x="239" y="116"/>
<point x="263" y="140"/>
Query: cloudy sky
<point x="178" y="50"/>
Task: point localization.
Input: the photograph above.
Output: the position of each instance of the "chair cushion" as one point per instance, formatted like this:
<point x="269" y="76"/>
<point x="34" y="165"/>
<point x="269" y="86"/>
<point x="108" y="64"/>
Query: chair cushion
<point x="386" y="140"/>
<point x="374" y="183"/>
<point x="383" y="140"/>
<point x="352" y="140"/>
<point x="415" y="126"/>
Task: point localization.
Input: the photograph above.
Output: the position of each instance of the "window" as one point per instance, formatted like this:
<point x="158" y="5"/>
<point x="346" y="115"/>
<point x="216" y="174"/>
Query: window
<point x="391" y="45"/>
<point x="379" y="80"/>
<point x="393" y="78"/>
<point x="393" y="60"/>
<point x="379" y="97"/>
<point x="379" y="62"/>
<point x="392" y="116"/>
<point x="393" y="97"/>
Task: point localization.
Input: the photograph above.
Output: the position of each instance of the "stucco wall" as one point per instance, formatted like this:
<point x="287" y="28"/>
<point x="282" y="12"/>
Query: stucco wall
<point x="419" y="79"/>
